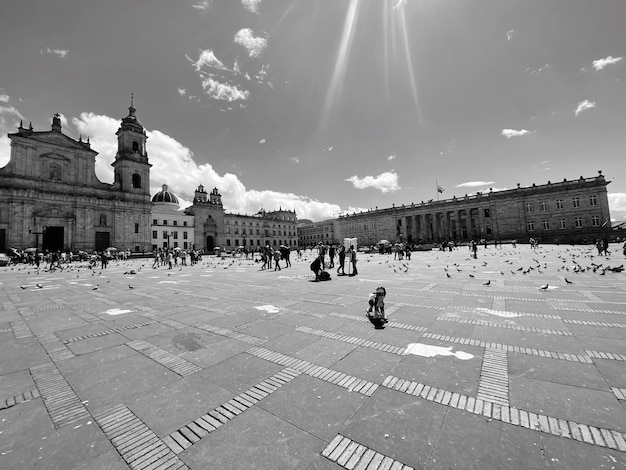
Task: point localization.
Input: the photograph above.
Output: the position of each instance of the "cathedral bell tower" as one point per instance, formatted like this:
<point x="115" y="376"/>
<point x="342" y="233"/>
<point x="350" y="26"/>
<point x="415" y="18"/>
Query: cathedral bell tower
<point x="131" y="167"/>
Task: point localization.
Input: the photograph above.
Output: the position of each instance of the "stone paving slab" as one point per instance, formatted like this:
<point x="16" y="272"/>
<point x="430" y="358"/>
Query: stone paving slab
<point x="545" y="386"/>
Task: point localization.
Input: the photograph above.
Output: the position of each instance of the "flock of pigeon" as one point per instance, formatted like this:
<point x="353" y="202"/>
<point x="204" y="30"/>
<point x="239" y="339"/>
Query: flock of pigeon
<point x="574" y="261"/>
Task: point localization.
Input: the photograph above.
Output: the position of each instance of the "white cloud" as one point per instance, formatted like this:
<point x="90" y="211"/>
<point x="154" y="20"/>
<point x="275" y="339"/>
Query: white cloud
<point x="223" y="91"/>
<point x="583" y="106"/>
<point x="385" y="182"/>
<point x="509" y="34"/>
<point x="475" y="184"/>
<point x="251" y="5"/>
<point x="207" y="58"/>
<point x="4" y="98"/>
<point x="202" y="6"/>
<point x="174" y="164"/>
<point x="617" y="202"/>
<point x="254" y="45"/>
<point x="602" y="63"/>
<point x="295" y="159"/>
<point x="57" y="52"/>
<point x="182" y="91"/>
<point x="391" y="157"/>
<point x="508" y="133"/>
<point x="9" y="120"/>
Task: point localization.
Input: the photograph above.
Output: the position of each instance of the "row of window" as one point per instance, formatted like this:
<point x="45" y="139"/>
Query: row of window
<point x="173" y="235"/>
<point x="560" y="204"/>
<point x="174" y="222"/>
<point x="252" y="224"/>
<point x="562" y="225"/>
<point x="258" y="232"/>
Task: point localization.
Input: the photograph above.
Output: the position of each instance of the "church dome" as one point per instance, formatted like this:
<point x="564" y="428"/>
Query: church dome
<point x="165" y="197"/>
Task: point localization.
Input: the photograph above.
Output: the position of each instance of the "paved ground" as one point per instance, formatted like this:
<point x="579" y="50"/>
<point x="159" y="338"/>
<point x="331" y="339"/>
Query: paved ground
<point x="225" y="366"/>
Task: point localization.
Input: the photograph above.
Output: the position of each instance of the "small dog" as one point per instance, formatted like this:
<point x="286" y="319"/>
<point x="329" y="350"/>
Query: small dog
<point x="376" y="310"/>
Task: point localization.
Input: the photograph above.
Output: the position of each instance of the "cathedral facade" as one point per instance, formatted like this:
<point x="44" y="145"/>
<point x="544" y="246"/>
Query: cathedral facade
<point x="51" y="198"/>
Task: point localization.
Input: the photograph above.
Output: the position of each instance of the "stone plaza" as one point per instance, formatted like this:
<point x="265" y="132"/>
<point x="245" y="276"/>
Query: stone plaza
<point x="516" y="359"/>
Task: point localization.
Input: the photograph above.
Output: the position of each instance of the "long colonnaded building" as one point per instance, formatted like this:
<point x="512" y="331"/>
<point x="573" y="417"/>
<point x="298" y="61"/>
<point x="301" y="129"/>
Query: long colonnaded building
<point x="569" y="211"/>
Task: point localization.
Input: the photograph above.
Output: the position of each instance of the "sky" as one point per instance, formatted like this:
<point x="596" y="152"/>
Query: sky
<point x="328" y="107"/>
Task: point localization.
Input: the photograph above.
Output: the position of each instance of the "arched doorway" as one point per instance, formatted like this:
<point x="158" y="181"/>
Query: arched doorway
<point x="53" y="239"/>
<point x="210" y="243"/>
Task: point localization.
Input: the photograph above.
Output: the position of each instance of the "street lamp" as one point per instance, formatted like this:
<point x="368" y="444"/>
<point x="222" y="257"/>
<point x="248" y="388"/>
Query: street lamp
<point x="37" y="235"/>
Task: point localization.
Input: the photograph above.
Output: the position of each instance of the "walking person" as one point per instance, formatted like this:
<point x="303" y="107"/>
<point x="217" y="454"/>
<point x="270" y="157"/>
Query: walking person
<point x="331" y="256"/>
<point x="277" y="257"/>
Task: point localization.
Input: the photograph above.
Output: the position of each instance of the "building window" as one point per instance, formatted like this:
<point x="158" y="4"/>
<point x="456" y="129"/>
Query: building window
<point x="546" y="224"/>
<point x="595" y="221"/>
<point x="55" y="172"/>
<point x="576" y="201"/>
<point x="136" y="181"/>
<point x="529" y="207"/>
<point x="154" y="234"/>
<point x="544" y="206"/>
<point x="184" y="235"/>
<point x="184" y="223"/>
<point x="487" y="213"/>
<point x="593" y="200"/>
<point x="562" y="224"/>
<point x="530" y="226"/>
<point x="164" y="234"/>
<point x="488" y="230"/>
<point x="559" y="203"/>
<point x="185" y="245"/>
<point x="175" y="244"/>
<point x="578" y="222"/>
<point x="236" y="231"/>
<point x="136" y="228"/>
<point x="135" y="146"/>
<point x="155" y="222"/>
<point x="164" y="222"/>
<point x="103" y="220"/>
<point x="176" y="222"/>
<point x="175" y="234"/>
<point x="228" y="242"/>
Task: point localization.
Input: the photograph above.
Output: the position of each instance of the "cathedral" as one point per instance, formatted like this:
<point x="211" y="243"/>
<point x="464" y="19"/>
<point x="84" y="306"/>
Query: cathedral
<point x="51" y="198"/>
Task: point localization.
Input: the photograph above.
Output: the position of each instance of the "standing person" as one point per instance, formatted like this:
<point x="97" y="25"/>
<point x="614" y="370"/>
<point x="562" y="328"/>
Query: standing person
<point x="321" y="253"/>
<point x="474" y="248"/>
<point x="104" y="260"/>
<point x="352" y="253"/>
<point x="331" y="256"/>
<point x="170" y="259"/>
<point x="342" y="260"/>
<point x="285" y="251"/>
<point x="269" y="254"/>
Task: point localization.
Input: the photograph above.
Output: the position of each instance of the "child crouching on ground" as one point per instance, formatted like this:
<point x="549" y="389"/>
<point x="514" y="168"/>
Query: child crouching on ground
<point x="377" y="304"/>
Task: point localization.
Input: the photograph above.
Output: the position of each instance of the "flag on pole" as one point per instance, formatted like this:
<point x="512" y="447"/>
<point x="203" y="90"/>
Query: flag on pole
<point x="440" y="189"/>
<point x="606" y="221"/>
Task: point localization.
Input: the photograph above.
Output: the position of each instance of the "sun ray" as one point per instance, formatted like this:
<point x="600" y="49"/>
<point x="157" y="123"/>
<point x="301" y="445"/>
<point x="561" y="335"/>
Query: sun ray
<point x="339" y="71"/>
<point x="409" y="63"/>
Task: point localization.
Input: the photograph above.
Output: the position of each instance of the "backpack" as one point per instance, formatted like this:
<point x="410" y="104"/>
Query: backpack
<point x="324" y="276"/>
